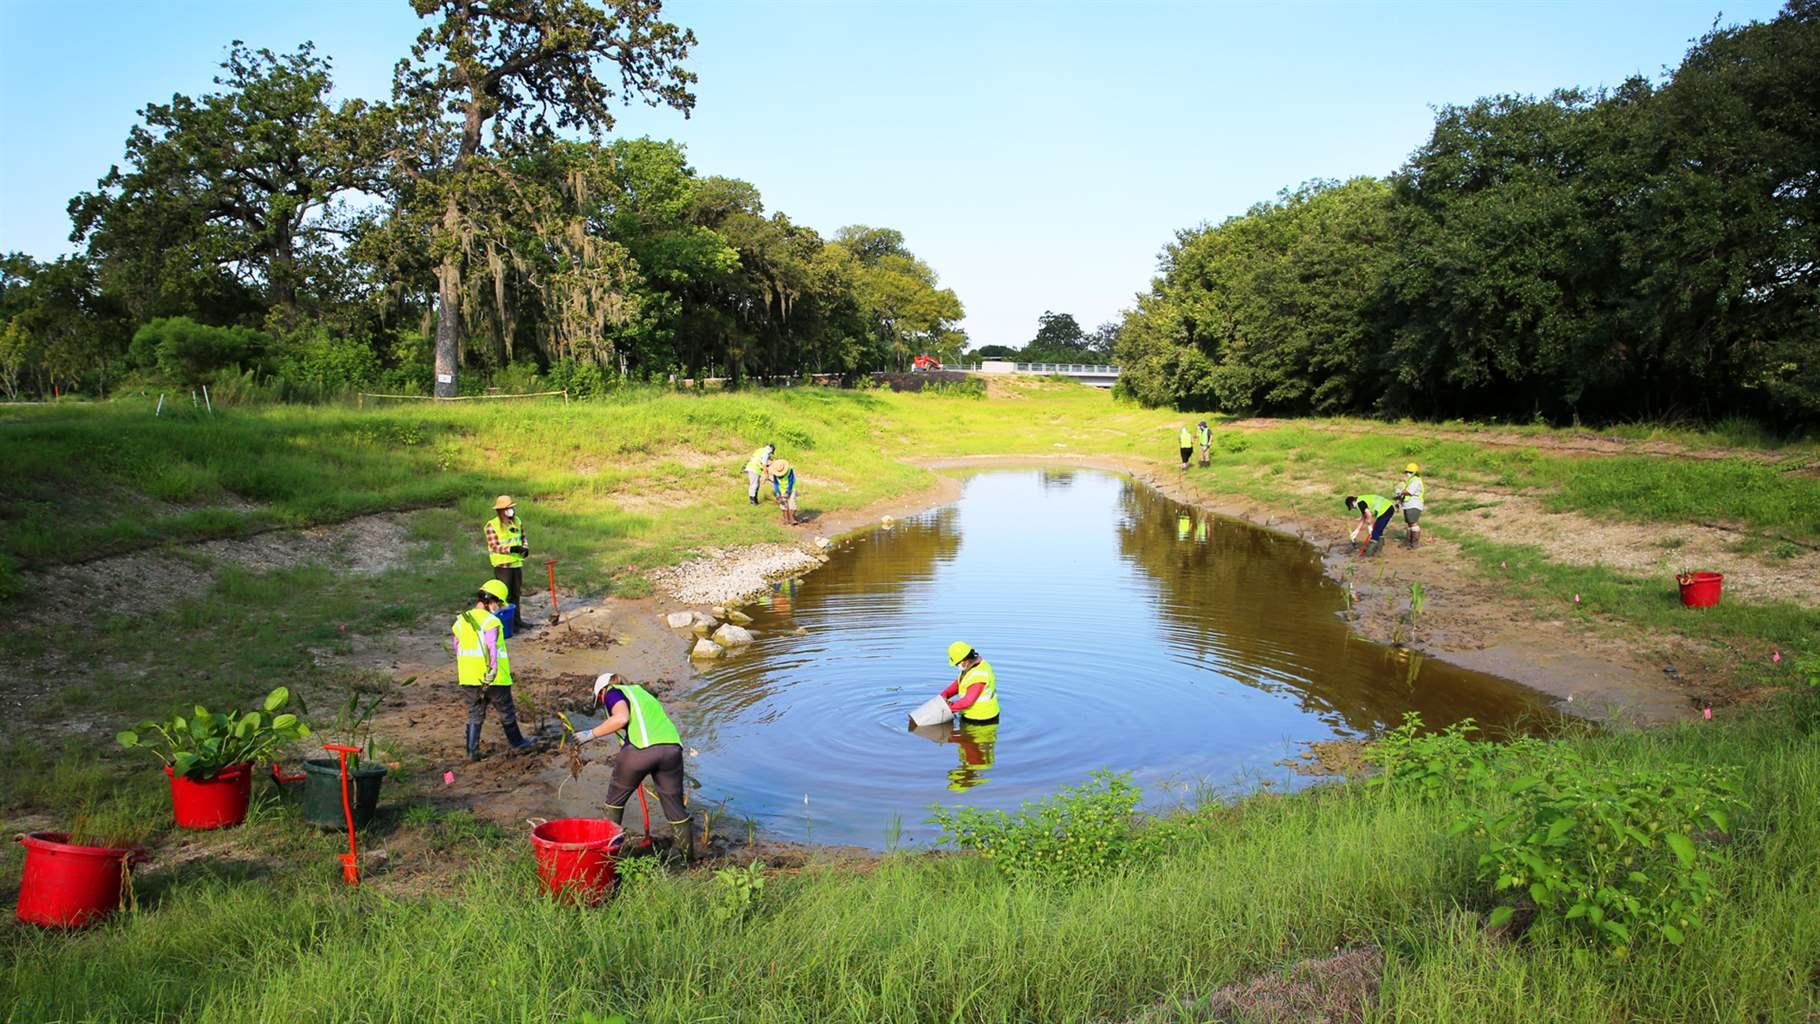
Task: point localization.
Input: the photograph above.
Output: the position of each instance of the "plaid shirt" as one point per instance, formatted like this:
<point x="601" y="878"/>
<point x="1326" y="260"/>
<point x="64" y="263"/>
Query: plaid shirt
<point x="493" y="544"/>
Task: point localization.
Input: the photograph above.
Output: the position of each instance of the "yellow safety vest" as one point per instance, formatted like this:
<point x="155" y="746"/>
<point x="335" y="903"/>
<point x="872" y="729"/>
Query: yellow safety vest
<point x="987" y="705"/>
<point x="1206" y="436"/>
<point x="1187" y="438"/>
<point x="470" y="656"/>
<point x="510" y="534"/>
<point x="757" y="462"/>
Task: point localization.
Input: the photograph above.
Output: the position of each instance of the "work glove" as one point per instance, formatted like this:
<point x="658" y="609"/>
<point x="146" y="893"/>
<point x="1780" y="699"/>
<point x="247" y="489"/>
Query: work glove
<point x="581" y="735"/>
<point x="492" y="674"/>
<point x="519" y="549"/>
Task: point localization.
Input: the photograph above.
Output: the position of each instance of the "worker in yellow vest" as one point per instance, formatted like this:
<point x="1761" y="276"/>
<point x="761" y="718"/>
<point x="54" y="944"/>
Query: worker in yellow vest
<point x="481" y="662"/>
<point x="1204" y="434"/>
<point x="973" y="696"/>
<point x="506" y="549"/>
<point x="1187" y="442"/>
<point x="651" y="748"/>
<point x="755" y="470"/>
<point x="1409" y="494"/>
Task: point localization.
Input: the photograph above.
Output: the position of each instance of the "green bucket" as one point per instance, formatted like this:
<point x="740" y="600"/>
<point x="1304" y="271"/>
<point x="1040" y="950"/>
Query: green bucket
<point x="322" y="793"/>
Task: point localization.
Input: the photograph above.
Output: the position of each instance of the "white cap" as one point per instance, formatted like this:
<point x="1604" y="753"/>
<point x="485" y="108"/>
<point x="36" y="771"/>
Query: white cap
<point x="601" y="682"/>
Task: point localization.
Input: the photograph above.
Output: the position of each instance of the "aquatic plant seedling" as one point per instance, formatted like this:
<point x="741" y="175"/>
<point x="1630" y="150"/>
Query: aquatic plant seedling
<point x="198" y="746"/>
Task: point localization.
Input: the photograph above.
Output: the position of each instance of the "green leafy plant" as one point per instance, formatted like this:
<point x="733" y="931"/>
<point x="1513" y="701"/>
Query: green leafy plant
<point x="736" y="891"/>
<point x="1621" y="855"/>
<point x="1080" y="833"/>
<point x="636" y="871"/>
<point x="352" y="724"/>
<point x="201" y="744"/>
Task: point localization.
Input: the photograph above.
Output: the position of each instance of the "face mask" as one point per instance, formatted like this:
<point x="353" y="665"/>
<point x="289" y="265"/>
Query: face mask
<point x="511" y="514"/>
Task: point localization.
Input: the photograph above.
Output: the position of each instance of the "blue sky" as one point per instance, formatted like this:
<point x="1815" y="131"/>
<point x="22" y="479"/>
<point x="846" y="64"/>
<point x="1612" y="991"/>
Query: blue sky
<point x="1038" y="155"/>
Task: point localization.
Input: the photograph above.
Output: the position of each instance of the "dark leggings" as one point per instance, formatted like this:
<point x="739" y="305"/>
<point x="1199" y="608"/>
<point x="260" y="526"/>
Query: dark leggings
<point x="663" y="763"/>
<point x="1377" y="528"/>
<point x="1185" y="453"/>
<point x="514" y="579"/>
<point x="501" y="699"/>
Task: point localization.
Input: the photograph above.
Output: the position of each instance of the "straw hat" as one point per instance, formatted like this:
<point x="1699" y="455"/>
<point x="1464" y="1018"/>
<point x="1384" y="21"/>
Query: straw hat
<point x="502" y="503"/>
<point x="778" y="467"/>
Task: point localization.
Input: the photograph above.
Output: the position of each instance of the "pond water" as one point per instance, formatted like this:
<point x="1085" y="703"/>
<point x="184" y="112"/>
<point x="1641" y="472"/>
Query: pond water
<point x="1127" y="632"/>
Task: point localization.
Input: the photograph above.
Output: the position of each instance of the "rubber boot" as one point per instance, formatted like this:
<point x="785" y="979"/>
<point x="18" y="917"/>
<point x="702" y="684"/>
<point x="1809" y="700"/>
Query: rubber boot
<point x="473" y="742"/>
<point x="516" y="738"/>
<point x="615" y="812"/>
<point x="684" y="831"/>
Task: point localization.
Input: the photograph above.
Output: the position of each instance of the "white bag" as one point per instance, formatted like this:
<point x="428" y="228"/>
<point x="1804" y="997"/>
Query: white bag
<point x="934" y="712"/>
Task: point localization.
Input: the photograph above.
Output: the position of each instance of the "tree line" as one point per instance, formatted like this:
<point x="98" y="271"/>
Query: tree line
<point x="1646" y="251"/>
<point x="476" y="225"/>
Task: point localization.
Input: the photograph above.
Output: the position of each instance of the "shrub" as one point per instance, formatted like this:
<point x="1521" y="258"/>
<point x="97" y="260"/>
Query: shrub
<point x="188" y="352"/>
<point x="1080" y="833"/>
<point x="1618" y="854"/>
<point x="580" y="378"/>
<point x="1615" y="853"/>
<point x="317" y="365"/>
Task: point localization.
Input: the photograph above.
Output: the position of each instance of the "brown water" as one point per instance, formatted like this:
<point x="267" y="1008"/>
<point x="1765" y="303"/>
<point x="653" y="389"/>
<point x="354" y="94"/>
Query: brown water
<point x="1127" y="631"/>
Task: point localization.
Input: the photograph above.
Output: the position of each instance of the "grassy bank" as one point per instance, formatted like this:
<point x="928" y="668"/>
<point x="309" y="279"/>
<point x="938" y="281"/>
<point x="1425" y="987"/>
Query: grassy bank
<point x="252" y="925"/>
<point x="1248" y="890"/>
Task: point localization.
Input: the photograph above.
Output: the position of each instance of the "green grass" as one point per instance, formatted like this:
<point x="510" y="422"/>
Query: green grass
<point x="253" y="925"/>
<point x="918" y="937"/>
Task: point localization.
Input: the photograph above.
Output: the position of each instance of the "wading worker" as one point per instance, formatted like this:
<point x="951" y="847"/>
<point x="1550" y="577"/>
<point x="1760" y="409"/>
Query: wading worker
<point x="973" y="696"/>
<point x="1204" y="434"/>
<point x="481" y="662"/>
<point x="1375" y="512"/>
<point x="506" y="549"/>
<point x="1409" y="493"/>
<point x="1186" y="440"/>
<point x="783" y="488"/>
<point x="755" y="470"/>
<point x="652" y="749"/>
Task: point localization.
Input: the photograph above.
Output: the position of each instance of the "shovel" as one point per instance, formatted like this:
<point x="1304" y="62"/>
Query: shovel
<point x="555" y="613"/>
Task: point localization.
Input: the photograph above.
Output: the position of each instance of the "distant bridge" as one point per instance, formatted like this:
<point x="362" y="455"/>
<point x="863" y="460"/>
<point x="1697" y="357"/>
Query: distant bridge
<point x="1086" y="373"/>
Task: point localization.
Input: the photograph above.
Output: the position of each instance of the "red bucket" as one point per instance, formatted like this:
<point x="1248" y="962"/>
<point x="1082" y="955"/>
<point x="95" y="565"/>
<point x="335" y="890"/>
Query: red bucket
<point x="215" y="802"/>
<point x="68" y="886"/>
<point x="575" y="857"/>
<point x="1701" y="589"/>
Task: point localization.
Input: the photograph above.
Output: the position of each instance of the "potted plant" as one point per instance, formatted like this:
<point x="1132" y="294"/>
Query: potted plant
<point x="322" y="789"/>
<point x="209" y="756"/>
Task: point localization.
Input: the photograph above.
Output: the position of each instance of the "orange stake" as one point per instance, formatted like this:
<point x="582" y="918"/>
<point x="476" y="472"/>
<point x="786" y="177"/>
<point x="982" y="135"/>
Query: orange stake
<point x="350" y="861"/>
<point x="555" y="612"/>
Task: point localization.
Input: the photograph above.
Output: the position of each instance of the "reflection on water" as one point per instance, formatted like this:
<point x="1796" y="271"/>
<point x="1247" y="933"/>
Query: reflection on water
<point x="1126" y="631"/>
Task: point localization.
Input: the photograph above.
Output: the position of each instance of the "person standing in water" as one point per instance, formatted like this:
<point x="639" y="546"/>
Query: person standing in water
<point x="973" y="696"/>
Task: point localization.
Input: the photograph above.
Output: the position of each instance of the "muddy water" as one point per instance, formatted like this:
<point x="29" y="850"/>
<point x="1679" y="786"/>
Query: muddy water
<point x="1127" y="632"/>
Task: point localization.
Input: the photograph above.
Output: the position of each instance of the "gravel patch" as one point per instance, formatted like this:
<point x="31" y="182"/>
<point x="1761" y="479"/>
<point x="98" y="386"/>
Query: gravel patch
<point x="725" y="577"/>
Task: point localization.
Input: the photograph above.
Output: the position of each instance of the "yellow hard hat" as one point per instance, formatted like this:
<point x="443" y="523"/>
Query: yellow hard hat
<point x="958" y="651"/>
<point x="1412" y="468"/>
<point x="495" y="588"/>
<point x="502" y="503"/>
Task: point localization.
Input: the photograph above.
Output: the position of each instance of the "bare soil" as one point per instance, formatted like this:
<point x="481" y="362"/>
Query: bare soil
<point x="136" y="582"/>
<point x="1339" y="989"/>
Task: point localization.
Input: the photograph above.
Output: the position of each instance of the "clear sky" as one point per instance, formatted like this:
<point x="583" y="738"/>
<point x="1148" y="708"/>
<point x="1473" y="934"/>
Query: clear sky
<point x="1037" y="154"/>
